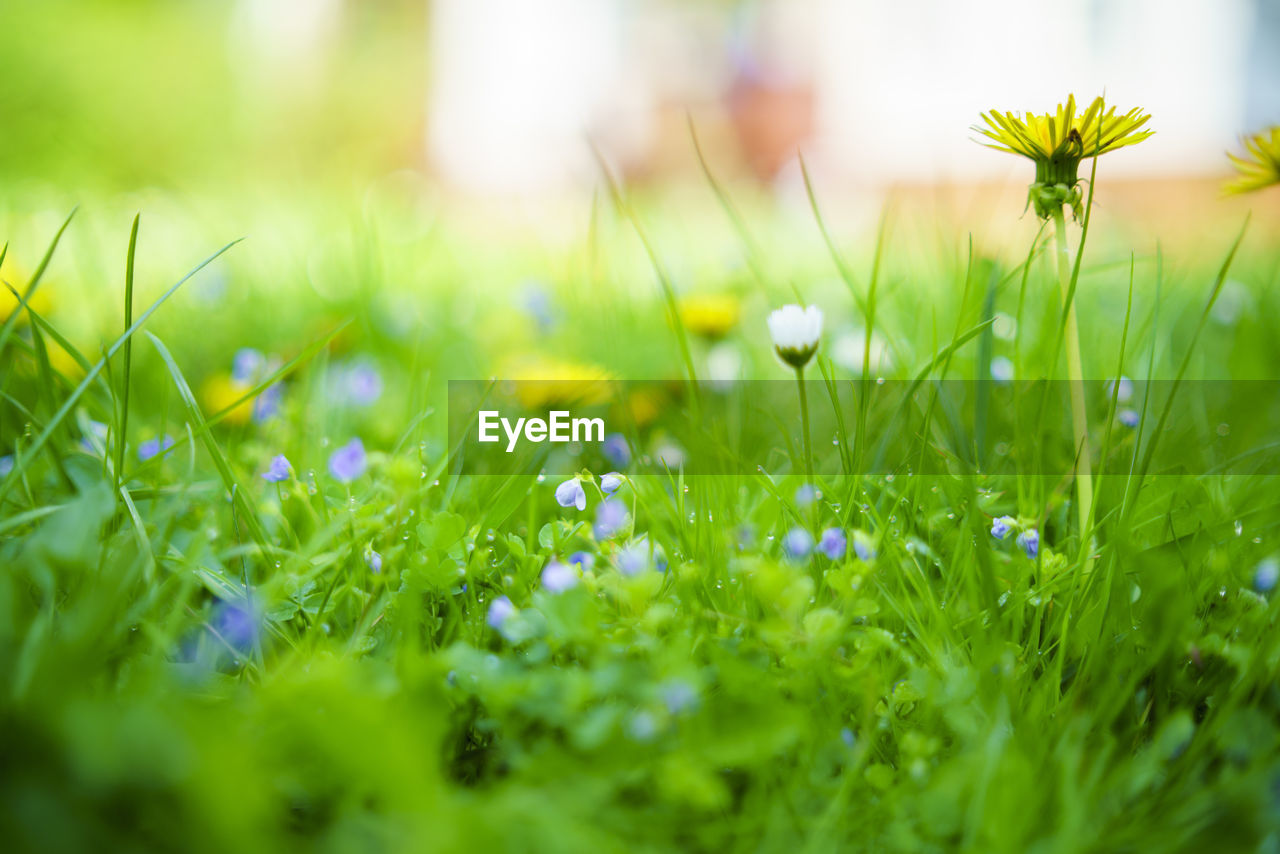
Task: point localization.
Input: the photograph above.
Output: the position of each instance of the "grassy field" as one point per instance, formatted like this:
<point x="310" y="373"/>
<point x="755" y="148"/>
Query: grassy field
<point x="205" y="648"/>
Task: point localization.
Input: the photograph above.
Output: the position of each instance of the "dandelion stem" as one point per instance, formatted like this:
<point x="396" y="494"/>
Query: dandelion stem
<point x="1075" y="376"/>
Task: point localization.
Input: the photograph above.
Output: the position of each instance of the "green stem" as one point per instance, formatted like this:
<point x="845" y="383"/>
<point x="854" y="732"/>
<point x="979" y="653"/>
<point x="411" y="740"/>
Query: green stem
<point x="804" y="417"/>
<point x="1075" y="375"/>
<point x="128" y="352"/>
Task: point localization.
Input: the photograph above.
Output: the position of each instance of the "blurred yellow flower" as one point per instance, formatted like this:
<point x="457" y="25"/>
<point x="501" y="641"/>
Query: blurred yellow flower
<point x="1260" y="165"/>
<point x="220" y="391"/>
<point x="62" y="361"/>
<point x="545" y="381"/>
<point x="41" y="301"/>
<point x="710" y="315"/>
<point x="643" y="405"/>
<point x="1057" y="142"/>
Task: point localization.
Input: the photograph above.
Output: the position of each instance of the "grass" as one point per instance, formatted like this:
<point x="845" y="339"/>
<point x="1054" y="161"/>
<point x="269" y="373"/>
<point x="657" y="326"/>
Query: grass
<point x="195" y="658"/>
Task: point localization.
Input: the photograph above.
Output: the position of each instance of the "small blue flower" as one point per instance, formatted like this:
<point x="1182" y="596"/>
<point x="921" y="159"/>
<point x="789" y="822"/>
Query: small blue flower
<point x="500" y="610"/>
<point x="557" y="577"/>
<point x="745" y="537"/>
<point x="846" y="735"/>
<point x="1266" y="575"/>
<point x="247" y="365"/>
<point x="797" y="544"/>
<point x="669" y="455"/>
<point x="678" y="696"/>
<point x="583" y="560"/>
<point x="1128" y="418"/>
<point x="95" y="438"/>
<point x="267" y="405"/>
<point x="610" y="482"/>
<point x="6" y="465"/>
<point x="1001" y="526"/>
<point x="279" y="469"/>
<point x="237" y="624"/>
<point x="643" y="726"/>
<point x="150" y="447"/>
<point x="862" y="547"/>
<point x="833" y="543"/>
<point x="538" y="303"/>
<point x="1029" y="542"/>
<point x="1001" y="370"/>
<point x="348" y="462"/>
<point x="373" y="560"/>
<point x="611" y="514"/>
<point x="635" y="558"/>
<point x="571" y="494"/>
<point x="616" y="450"/>
<point x="1125" y="391"/>
<point x="363" y="384"/>
<point x="806" y="495"/>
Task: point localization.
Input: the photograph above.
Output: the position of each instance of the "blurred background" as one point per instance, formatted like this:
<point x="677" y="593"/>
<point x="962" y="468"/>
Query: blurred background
<point x="376" y="152"/>
<point x="502" y="98"/>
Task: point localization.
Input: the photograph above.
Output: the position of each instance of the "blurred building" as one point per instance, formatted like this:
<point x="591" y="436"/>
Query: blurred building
<point x="876" y="92"/>
<point x="286" y="41"/>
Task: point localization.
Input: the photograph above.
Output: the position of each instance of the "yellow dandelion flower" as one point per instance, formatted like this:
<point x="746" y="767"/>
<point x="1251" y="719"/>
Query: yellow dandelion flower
<point x="1260" y="165"/>
<point x="1058" y="141"/>
<point x="220" y="391"/>
<point x="710" y="315"/>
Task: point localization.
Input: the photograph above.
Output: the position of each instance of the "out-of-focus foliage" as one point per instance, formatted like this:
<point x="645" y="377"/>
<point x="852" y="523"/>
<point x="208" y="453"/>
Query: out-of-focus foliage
<point x="929" y="686"/>
<point x="118" y="95"/>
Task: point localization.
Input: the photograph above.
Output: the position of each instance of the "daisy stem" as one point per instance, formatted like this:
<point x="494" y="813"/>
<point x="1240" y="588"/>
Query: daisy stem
<point x="1075" y="376"/>
<point x="804" y="417"/>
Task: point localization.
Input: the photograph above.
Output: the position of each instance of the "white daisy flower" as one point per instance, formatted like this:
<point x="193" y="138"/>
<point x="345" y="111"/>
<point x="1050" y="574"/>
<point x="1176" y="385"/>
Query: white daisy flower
<point x="796" y="332"/>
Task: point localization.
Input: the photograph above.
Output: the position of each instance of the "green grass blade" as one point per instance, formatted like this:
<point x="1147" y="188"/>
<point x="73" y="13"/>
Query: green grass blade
<point x="122" y="434"/>
<point x="7" y="329"/>
<point x="229" y="481"/>
<point x="21" y="461"/>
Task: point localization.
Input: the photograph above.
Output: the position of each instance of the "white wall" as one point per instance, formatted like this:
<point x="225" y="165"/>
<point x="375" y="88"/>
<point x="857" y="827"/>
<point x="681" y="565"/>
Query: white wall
<point x="900" y="82"/>
<point x="516" y="85"/>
